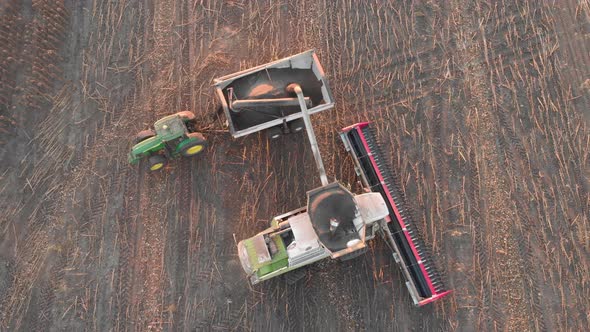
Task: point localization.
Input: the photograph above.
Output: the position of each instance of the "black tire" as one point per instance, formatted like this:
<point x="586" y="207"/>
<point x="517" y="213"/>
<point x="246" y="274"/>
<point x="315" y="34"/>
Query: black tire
<point x="156" y="162"/>
<point x="191" y="149"/>
<point x="297" y="126"/>
<point x="352" y="255"/>
<point x="189" y="120"/>
<point x="274" y="133"/>
<point x="186" y="116"/>
<point x="143" y="135"/>
<point x="295" y="276"/>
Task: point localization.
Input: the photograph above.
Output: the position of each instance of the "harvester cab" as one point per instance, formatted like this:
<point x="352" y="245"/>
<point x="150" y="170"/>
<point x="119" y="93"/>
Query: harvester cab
<point x="172" y="135"/>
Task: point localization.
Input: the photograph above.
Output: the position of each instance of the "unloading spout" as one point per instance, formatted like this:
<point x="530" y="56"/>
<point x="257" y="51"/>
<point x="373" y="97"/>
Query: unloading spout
<point x="296" y="88"/>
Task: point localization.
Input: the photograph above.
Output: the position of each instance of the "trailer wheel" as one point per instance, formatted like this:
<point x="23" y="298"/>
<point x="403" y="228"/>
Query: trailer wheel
<point x="296" y="126"/>
<point x="143" y="135"/>
<point x="274" y="133"/>
<point x="195" y="147"/>
<point x="157" y="162"/>
<point x="293" y="277"/>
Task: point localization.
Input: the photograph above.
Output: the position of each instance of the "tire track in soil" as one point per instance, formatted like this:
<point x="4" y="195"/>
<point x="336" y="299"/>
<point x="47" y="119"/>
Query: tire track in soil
<point x="507" y="270"/>
<point x="516" y="160"/>
<point x="128" y="237"/>
<point x="514" y="150"/>
<point x="38" y="312"/>
<point x="93" y="207"/>
<point x="45" y="309"/>
<point x="488" y="306"/>
<point x="148" y="307"/>
<point x="181" y="229"/>
<point x="571" y="25"/>
<point x="482" y="231"/>
<point x="526" y="252"/>
<point x="569" y="85"/>
<point x="29" y="263"/>
<point x="524" y="173"/>
<point x="103" y="318"/>
<point x="449" y="174"/>
<point x="293" y="310"/>
<point x="488" y="300"/>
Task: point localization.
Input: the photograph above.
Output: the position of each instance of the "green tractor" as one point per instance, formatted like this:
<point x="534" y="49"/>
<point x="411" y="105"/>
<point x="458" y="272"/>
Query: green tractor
<point x="172" y="136"/>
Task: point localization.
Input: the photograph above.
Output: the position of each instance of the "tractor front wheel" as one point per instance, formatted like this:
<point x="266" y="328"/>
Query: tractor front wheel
<point x="143" y="135"/>
<point x="194" y="147"/>
<point x="157" y="162"/>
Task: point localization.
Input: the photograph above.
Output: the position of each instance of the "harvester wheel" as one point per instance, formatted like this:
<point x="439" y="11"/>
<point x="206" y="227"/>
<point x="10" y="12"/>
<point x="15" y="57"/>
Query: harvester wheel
<point x="274" y="132"/>
<point x="352" y="255"/>
<point x="157" y="162"/>
<point x="293" y="277"/>
<point x="194" y="147"/>
<point x="143" y="135"/>
<point x="296" y="126"/>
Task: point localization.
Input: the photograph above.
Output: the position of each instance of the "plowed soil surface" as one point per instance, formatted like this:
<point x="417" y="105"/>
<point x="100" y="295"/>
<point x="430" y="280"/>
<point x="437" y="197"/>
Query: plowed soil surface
<point x="480" y="106"/>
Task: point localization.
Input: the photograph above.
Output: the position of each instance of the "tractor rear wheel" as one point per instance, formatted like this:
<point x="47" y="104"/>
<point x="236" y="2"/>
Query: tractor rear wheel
<point x="274" y="133"/>
<point x="296" y="126"/>
<point x="143" y="135"/>
<point x="157" y="162"/>
<point x="186" y="116"/>
<point x="189" y="120"/>
<point x="194" y="147"/>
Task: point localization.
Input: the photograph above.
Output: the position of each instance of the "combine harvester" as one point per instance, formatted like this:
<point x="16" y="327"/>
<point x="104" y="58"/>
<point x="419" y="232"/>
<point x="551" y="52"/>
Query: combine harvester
<point x="279" y="97"/>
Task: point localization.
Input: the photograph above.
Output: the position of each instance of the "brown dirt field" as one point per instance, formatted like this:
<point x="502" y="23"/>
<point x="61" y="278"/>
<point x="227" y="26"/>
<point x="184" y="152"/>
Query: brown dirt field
<point x="482" y="108"/>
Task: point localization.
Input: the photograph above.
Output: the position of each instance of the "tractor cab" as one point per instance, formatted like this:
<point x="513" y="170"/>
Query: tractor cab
<point x="170" y="128"/>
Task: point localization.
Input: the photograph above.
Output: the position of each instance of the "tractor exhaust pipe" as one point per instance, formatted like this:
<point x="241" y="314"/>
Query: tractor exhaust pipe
<point x="296" y="88"/>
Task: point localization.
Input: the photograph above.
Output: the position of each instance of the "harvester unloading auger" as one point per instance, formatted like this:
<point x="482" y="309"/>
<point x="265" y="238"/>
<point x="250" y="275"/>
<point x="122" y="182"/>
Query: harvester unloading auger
<point x="335" y="223"/>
